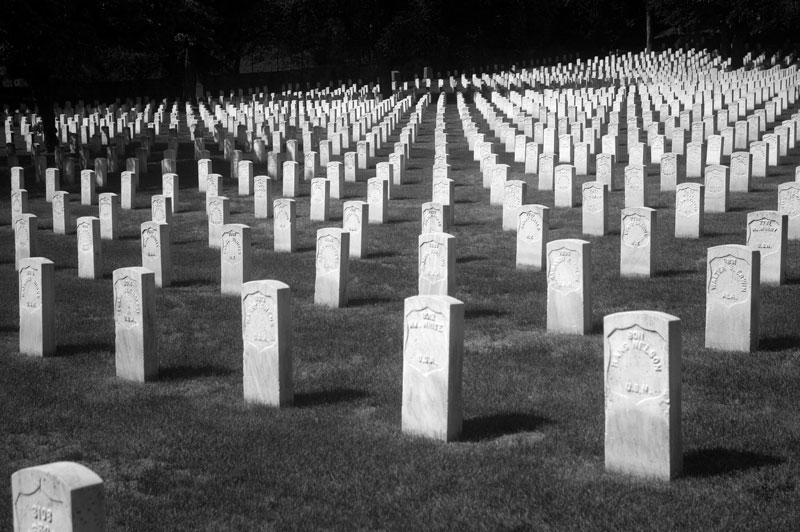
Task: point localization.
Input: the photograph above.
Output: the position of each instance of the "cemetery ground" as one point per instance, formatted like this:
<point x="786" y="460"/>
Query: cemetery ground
<point x="185" y="453"/>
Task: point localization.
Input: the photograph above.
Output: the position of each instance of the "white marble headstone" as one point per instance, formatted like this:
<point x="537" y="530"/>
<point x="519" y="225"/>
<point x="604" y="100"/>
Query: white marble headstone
<point x="642" y="381"/>
<point x="433" y="347"/>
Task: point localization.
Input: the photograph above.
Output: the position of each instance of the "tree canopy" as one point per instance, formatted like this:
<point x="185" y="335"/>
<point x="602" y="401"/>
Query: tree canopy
<point x="148" y="39"/>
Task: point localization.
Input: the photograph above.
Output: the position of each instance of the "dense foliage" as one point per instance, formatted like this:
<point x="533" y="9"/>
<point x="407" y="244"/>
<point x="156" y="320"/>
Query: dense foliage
<point x="138" y="39"/>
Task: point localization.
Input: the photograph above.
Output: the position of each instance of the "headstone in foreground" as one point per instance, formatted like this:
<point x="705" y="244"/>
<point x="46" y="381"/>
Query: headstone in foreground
<point x="638" y="250"/>
<point x="689" y="210"/>
<point x="236" y="258"/>
<point x="355" y="216"/>
<point x="156" y="251"/>
<point x="58" y="497"/>
<point x="284" y="229"/>
<point x="533" y="226"/>
<point x="37" y="324"/>
<point x="642" y="381"/>
<point x="333" y="267"/>
<point x="219" y="212"/>
<point x="135" y="353"/>
<point x="733" y="298"/>
<point x="594" y="208"/>
<point x="62" y="214"/>
<point x="90" y="254"/>
<point x="267" y="339"/>
<point x="26" y="239"/>
<point x="109" y="216"/>
<point x="767" y="232"/>
<point x="789" y="204"/>
<point x="569" y="286"/>
<point x="433" y="348"/>
<point x="437" y="258"/>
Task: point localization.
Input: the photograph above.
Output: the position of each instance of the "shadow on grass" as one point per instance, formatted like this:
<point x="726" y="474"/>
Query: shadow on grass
<point x="675" y="273"/>
<point x="385" y="254"/>
<point x="177" y="373"/>
<point x="482" y="312"/>
<point x="70" y="350"/>
<point x="778" y="343"/>
<point x="326" y="397"/>
<point x="712" y="234"/>
<point x="719" y="461"/>
<point x="470" y="258"/>
<point x="191" y="283"/>
<point x="367" y="301"/>
<point x="129" y="237"/>
<point x="489" y="427"/>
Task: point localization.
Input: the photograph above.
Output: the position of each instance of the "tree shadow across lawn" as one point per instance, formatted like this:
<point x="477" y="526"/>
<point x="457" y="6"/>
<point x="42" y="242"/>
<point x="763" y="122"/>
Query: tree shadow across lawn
<point x="326" y="397"/>
<point x="69" y="350"/>
<point x="495" y="425"/>
<point x="779" y="343"/>
<point x="719" y="461"/>
<point x="368" y="301"/>
<point x="191" y="283"/>
<point x="473" y="312"/>
<point x="176" y="373"/>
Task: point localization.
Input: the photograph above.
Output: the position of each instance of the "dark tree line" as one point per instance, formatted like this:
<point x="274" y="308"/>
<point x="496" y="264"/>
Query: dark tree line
<point x="48" y="42"/>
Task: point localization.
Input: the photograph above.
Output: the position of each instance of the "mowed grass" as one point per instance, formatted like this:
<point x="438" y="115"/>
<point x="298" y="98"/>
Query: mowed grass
<point x="186" y="453"/>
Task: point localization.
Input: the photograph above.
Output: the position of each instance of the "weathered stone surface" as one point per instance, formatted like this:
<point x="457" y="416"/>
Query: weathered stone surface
<point x="433" y="347"/>
<point x="569" y="286"/>
<point x="533" y="226"/>
<point x="156" y="251"/>
<point x="638" y="250"/>
<point x="733" y="298"/>
<point x="767" y="232"/>
<point x="90" y="251"/>
<point x="333" y="267"/>
<point x="642" y="381"/>
<point x="37" y="325"/>
<point x="136" y="352"/>
<point x="58" y="497"/>
<point x="267" y="339"/>
<point x="236" y="257"/>
<point x="689" y="210"/>
<point x="437" y="258"/>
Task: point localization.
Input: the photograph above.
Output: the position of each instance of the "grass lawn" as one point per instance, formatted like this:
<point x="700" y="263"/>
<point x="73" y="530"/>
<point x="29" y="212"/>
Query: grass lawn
<point x="186" y="453"/>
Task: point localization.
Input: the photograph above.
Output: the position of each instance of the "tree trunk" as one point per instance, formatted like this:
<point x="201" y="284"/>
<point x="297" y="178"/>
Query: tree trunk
<point x="44" y="99"/>
<point x="648" y="27"/>
<point x="737" y="49"/>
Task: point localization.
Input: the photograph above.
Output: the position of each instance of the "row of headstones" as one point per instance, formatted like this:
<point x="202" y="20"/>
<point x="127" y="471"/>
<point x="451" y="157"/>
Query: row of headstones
<point x="96" y="131"/>
<point x="614" y="67"/>
<point x="334" y="249"/>
<point x="642" y="382"/>
<point x="345" y="121"/>
<point x="109" y="205"/>
<point x="568" y="309"/>
<point x="524" y="110"/>
<point x="156" y="236"/>
<point x="766" y="152"/>
<point x="333" y="145"/>
<point x="719" y="182"/>
<point x="741" y="93"/>
<point x="684" y="73"/>
<point x="592" y="107"/>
